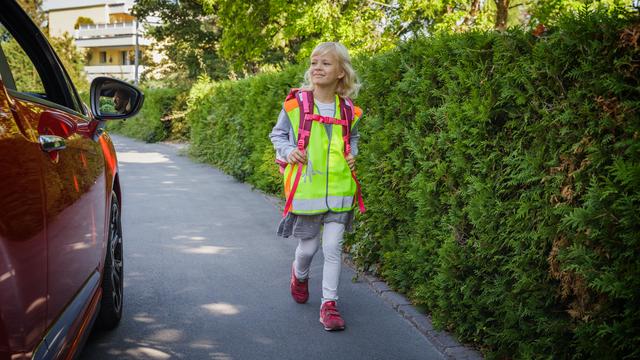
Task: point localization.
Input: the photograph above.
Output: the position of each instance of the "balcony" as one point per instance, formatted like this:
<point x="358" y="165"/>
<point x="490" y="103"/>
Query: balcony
<point x="104" y="35"/>
<point x="105" y="30"/>
<point x="125" y="72"/>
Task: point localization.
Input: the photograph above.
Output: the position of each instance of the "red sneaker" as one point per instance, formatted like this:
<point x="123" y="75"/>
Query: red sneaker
<point x="299" y="289"/>
<point x="330" y="317"/>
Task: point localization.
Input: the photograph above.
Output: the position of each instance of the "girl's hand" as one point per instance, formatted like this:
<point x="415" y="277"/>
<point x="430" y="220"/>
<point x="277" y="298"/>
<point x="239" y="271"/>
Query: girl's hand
<point x="351" y="161"/>
<point x="296" y="156"/>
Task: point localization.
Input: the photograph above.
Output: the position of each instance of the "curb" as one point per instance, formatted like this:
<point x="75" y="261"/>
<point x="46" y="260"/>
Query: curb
<point x="446" y="344"/>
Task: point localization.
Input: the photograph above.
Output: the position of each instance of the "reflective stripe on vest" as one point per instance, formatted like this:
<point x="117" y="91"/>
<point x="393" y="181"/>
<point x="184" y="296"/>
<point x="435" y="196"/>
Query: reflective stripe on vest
<point x="326" y="182"/>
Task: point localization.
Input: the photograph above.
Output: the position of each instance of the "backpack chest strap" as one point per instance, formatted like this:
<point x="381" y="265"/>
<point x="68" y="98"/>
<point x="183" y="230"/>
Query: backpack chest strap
<point x="326" y="119"/>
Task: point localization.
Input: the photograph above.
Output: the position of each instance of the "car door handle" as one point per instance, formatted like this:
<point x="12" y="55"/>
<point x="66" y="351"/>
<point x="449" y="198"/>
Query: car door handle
<point x="50" y="143"/>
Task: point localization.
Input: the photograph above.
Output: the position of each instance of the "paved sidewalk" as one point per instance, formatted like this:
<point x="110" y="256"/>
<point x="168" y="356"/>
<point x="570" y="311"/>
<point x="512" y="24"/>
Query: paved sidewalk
<point x="207" y="278"/>
<point x="445" y="343"/>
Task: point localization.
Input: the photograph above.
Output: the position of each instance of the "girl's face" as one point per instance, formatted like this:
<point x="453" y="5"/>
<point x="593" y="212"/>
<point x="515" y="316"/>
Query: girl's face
<point x="325" y="70"/>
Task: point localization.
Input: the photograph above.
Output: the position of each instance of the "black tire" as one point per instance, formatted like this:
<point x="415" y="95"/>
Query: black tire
<point x="113" y="275"/>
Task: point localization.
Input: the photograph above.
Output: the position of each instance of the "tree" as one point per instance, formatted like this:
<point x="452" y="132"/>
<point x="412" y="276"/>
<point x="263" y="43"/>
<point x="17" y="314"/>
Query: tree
<point x="72" y="59"/>
<point x="502" y="14"/>
<point x="229" y="39"/>
<point x="226" y="38"/>
<point x="423" y="17"/>
<point x="276" y="32"/>
<point x="34" y="9"/>
<point x="187" y="35"/>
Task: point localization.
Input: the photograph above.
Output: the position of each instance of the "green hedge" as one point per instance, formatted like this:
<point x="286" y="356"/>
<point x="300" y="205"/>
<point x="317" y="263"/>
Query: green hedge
<point x="230" y="122"/>
<point x="161" y="117"/>
<point x="501" y="174"/>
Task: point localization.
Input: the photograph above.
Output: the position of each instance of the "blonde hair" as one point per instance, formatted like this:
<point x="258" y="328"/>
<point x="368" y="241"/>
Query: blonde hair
<point x="348" y="85"/>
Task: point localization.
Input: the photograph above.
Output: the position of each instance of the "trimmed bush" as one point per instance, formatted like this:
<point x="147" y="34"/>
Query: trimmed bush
<point x="161" y="117"/>
<point x="501" y="174"/>
<point x="230" y="122"/>
<point x="518" y="159"/>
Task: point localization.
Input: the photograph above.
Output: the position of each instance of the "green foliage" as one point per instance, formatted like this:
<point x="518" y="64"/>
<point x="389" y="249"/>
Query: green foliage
<point x="501" y="172"/>
<point x="187" y="36"/>
<point x="156" y="121"/>
<point x="421" y="17"/>
<point x="550" y="11"/>
<point x="226" y="39"/>
<point x="230" y="122"/>
<point x="72" y="60"/>
<point x="107" y="106"/>
<point x="517" y="157"/>
<point x="83" y="21"/>
<point x="275" y="32"/>
<point x="24" y="72"/>
<point x="23" y="68"/>
<point x="34" y="9"/>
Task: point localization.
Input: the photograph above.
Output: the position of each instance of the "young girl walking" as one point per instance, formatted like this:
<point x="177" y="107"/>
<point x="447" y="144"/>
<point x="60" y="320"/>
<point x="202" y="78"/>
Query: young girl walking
<point x="317" y="139"/>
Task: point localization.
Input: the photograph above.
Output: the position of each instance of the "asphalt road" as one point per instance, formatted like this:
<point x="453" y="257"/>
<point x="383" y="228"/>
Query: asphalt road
<point x="207" y="278"/>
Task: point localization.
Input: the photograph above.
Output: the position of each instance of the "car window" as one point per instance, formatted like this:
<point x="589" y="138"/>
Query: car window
<point x="25" y="75"/>
<point x="5" y="74"/>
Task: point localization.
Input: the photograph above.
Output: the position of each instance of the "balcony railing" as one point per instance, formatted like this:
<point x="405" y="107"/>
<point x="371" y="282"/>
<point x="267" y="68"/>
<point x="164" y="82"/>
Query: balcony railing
<point x="105" y="30"/>
<point x="119" y="41"/>
<point x="113" y="34"/>
<point x="126" y="72"/>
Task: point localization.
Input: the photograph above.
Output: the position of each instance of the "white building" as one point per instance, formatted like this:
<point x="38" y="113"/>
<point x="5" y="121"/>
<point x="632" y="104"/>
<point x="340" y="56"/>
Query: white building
<point x="106" y="29"/>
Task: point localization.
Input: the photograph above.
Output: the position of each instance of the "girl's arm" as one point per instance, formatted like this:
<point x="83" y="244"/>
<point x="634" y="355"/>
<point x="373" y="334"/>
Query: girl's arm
<point x="353" y="140"/>
<point x="282" y="137"/>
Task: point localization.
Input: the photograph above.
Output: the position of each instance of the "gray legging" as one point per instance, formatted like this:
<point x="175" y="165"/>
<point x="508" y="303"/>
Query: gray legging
<point x="332" y="236"/>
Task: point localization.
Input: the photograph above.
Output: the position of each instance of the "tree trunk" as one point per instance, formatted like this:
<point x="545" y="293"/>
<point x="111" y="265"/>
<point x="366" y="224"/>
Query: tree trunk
<point x="502" y="14"/>
<point x="475" y="7"/>
<point x="473" y="12"/>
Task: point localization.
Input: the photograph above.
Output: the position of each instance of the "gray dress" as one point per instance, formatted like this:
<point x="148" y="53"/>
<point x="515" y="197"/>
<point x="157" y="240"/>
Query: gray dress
<point x="283" y="139"/>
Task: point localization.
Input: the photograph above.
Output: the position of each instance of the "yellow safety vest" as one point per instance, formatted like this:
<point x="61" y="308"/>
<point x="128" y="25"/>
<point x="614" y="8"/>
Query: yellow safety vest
<point x="326" y="183"/>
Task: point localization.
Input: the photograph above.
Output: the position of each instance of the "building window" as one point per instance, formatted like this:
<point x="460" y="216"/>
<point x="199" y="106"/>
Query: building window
<point x="103" y="57"/>
<point x="124" y="58"/>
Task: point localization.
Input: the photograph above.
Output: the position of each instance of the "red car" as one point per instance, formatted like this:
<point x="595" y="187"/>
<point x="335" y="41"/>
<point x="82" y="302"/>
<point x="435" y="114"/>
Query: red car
<point x="61" y="253"/>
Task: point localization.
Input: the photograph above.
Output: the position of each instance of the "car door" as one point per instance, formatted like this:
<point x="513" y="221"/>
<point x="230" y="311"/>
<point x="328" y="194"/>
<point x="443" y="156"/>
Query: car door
<point x="23" y="248"/>
<point x="73" y="174"/>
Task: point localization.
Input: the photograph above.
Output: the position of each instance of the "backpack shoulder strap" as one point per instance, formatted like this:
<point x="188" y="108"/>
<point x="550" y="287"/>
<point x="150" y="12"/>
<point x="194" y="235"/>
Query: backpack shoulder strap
<point x="304" y="101"/>
<point x="347" y="110"/>
<point x="346" y="113"/>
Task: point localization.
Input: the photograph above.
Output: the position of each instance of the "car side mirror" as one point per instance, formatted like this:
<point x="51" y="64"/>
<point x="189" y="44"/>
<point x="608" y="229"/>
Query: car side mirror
<point x="113" y="99"/>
